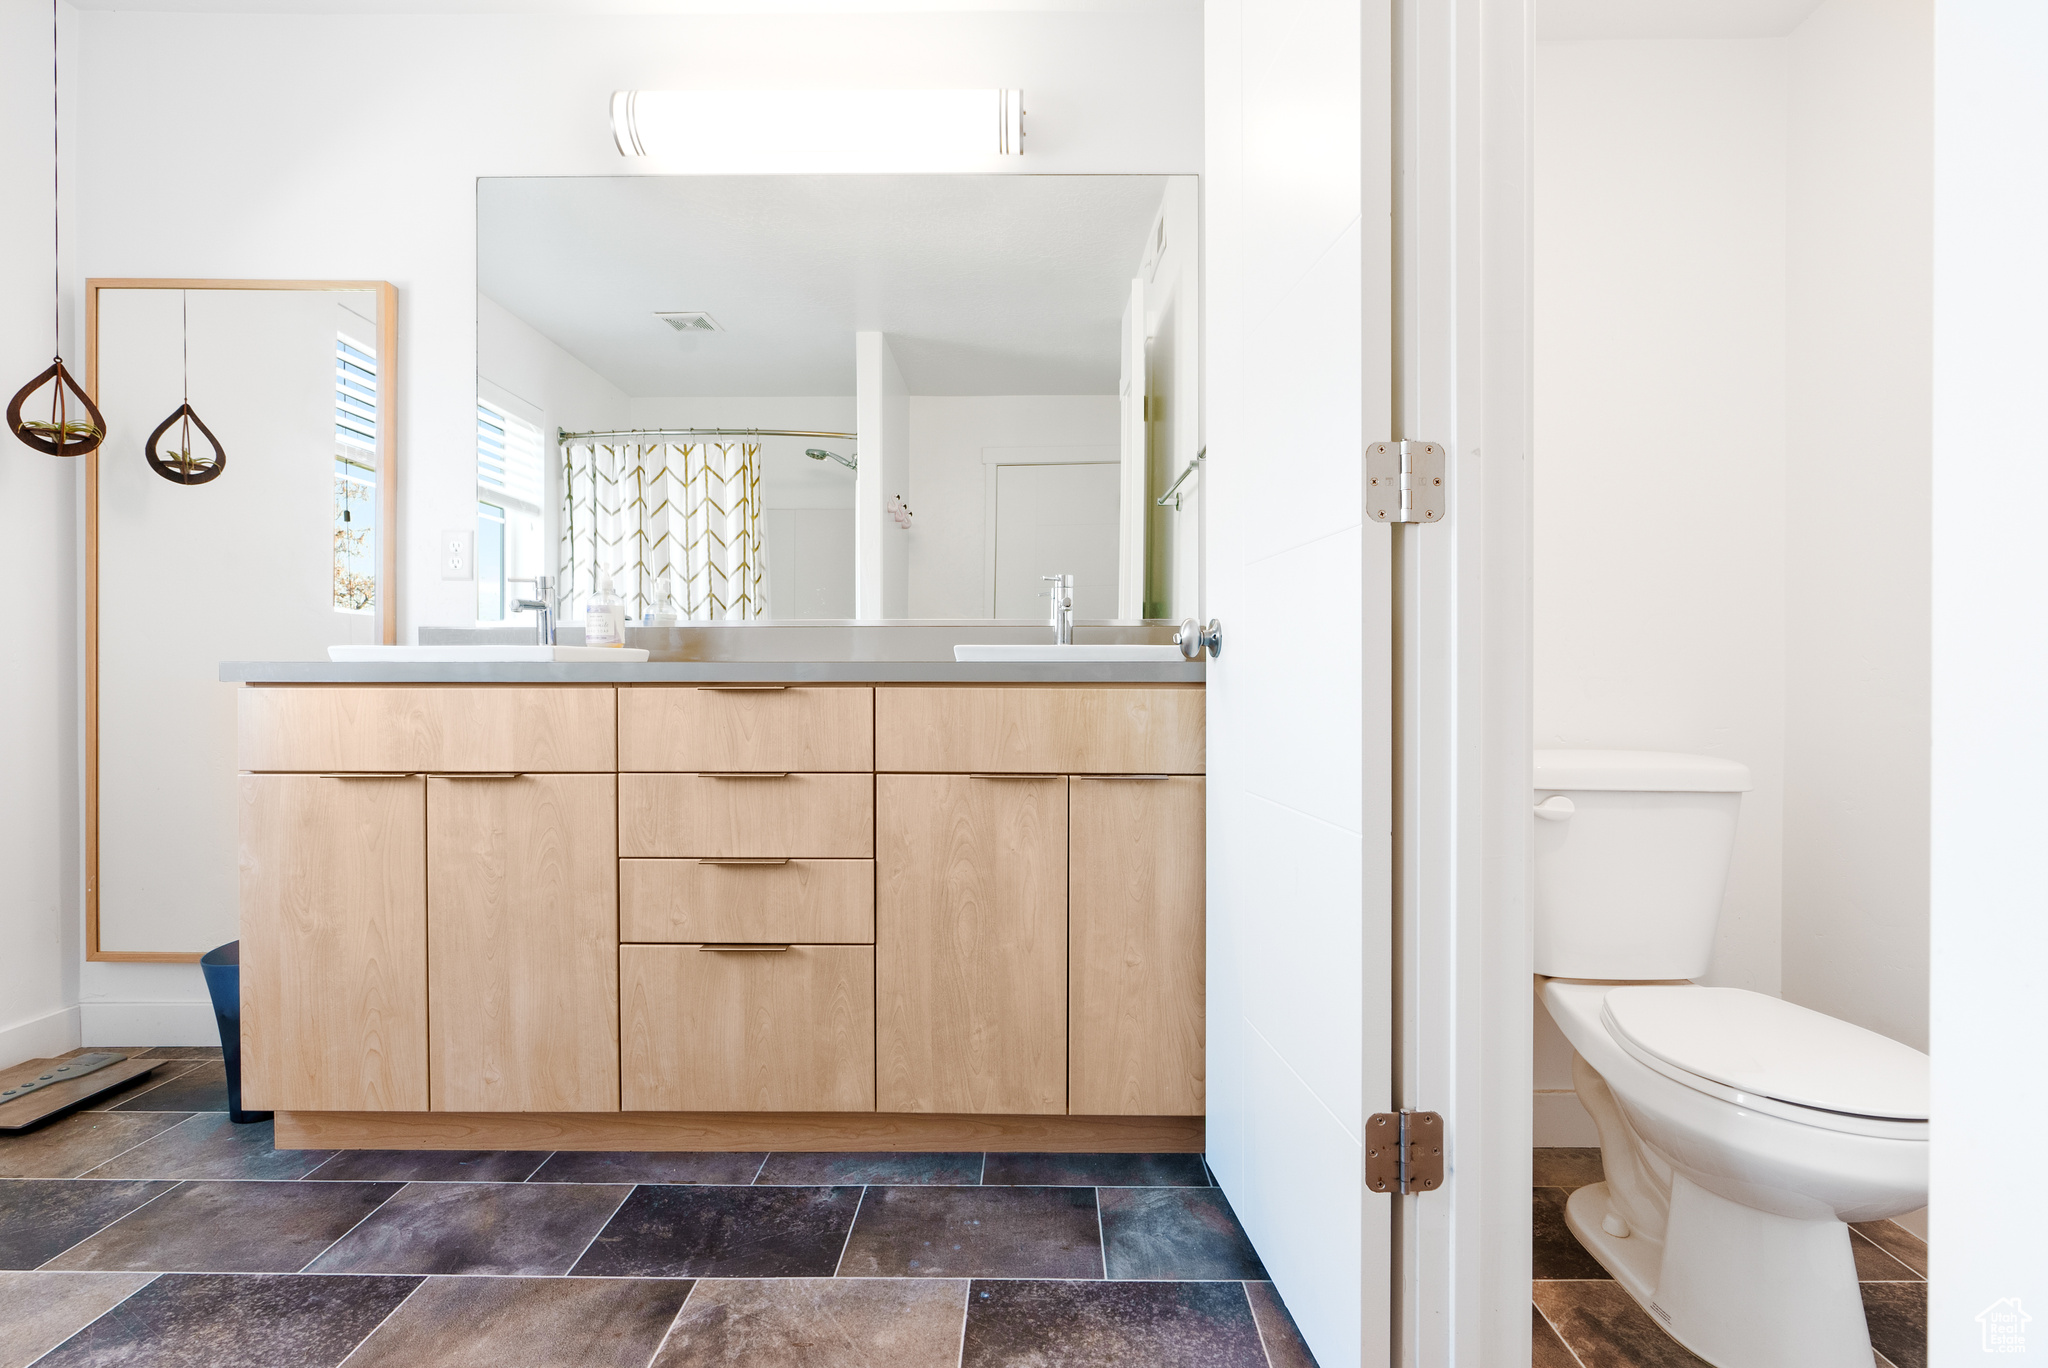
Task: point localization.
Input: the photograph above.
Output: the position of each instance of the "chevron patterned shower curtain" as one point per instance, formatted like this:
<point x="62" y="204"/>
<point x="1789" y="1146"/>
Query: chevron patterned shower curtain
<point x="685" y="512"/>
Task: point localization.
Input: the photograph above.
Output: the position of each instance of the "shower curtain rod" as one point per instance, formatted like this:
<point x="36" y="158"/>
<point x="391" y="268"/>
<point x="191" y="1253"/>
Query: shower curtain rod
<point x="699" y="432"/>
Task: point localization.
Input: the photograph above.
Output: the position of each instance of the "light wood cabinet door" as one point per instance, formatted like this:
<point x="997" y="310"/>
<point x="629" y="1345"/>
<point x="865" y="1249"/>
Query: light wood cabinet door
<point x="971" y="944"/>
<point x="334" y="943"/>
<point x="1136" y="952"/>
<point x="789" y="816"/>
<point x="797" y="901"/>
<point x="523" y="942"/>
<point x="746" y="727"/>
<point x="748" y="1030"/>
<point x="1041" y="729"/>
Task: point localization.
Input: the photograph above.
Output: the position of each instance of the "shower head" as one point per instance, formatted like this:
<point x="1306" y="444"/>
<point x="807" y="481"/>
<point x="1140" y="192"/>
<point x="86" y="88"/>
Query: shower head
<point x="850" y="462"/>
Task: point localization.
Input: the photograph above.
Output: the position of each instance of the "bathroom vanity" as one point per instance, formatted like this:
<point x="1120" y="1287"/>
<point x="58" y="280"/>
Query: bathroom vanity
<point x="686" y="906"/>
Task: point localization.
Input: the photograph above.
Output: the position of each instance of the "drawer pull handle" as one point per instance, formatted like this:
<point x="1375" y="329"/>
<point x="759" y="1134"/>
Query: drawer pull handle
<point x="743" y="688"/>
<point x="1013" y="776"/>
<point x="1120" y="778"/>
<point x="743" y="949"/>
<point x="741" y="774"/>
<point x="744" y="860"/>
<point x="360" y="774"/>
<point x="481" y="775"/>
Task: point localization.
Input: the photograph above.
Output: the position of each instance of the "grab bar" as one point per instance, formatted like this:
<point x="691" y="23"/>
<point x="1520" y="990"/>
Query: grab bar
<point x="1173" y="490"/>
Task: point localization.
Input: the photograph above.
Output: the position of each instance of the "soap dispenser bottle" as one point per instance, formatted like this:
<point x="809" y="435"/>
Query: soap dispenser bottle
<point x="604" y="621"/>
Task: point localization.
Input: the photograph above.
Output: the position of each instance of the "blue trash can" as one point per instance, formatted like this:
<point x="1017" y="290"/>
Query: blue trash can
<point x="222" y="966"/>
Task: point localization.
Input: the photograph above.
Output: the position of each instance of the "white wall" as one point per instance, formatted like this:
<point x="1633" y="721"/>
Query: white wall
<point x="279" y="161"/>
<point x="1857" y="563"/>
<point x="1660" y="519"/>
<point x="1733" y="293"/>
<point x="1990" y="1017"/>
<point x="950" y="484"/>
<point x="40" y="930"/>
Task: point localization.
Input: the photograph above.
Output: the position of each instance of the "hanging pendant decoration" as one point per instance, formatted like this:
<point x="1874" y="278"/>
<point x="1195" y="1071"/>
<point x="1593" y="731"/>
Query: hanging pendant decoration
<point x="185" y="466"/>
<point x="65" y="433"/>
<point x="68" y="431"/>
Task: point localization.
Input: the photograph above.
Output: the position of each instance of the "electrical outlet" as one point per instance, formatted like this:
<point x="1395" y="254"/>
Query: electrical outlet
<point x="458" y="554"/>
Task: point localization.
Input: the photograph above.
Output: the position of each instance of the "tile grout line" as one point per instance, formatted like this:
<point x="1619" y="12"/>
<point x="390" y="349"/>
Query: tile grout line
<point x="760" y="1169"/>
<point x="175" y="1184"/>
<point x="1569" y="1348"/>
<point x="603" y="1226"/>
<point x="140" y="1143"/>
<point x="847" y="1243"/>
<point x="1102" y="1240"/>
<point x="386" y="1321"/>
<point x="95" y="1321"/>
<point x="981" y="1179"/>
<point x="966" y="1305"/>
<point x="1265" y="1350"/>
<point x="1856" y="1235"/>
<point x="673" y="1322"/>
<point x="350" y="1231"/>
<point x="541" y="1165"/>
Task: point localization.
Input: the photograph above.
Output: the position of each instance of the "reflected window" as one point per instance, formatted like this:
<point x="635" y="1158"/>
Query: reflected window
<point x="509" y="483"/>
<point x="355" y="474"/>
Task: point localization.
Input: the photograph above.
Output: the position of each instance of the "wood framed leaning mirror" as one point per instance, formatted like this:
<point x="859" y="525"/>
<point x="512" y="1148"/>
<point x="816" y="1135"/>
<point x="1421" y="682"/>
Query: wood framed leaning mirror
<point x="283" y="551"/>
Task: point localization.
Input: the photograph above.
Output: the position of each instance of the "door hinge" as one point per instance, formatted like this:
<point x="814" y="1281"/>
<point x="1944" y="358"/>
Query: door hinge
<point x="1404" y="482"/>
<point x="1404" y="1152"/>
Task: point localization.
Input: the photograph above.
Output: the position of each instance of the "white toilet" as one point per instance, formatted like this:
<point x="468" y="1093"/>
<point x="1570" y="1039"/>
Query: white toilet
<point x="1739" y="1132"/>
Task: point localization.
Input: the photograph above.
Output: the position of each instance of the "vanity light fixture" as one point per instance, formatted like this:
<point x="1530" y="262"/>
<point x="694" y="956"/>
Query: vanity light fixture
<point x="66" y="432"/>
<point x="956" y="122"/>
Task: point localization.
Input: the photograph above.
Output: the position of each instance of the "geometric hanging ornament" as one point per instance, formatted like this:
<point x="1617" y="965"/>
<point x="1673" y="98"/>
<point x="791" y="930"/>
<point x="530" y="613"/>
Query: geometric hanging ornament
<point x="186" y="466"/>
<point x="66" y="433"/>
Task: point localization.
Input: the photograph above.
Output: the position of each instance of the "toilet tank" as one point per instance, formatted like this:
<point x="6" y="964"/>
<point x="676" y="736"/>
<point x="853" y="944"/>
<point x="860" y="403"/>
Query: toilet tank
<point x="1629" y="878"/>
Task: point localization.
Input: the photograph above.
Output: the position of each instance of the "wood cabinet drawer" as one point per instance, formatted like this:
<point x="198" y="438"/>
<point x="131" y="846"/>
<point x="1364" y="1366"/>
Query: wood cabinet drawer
<point x="750" y="1030"/>
<point x="746" y="727"/>
<point x="1049" y="729"/>
<point x="817" y="901"/>
<point x="799" y="816"/>
<point x="562" y="728"/>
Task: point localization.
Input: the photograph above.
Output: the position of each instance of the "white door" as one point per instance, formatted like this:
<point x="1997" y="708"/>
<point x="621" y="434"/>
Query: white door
<point x="1056" y="520"/>
<point x="1298" y="327"/>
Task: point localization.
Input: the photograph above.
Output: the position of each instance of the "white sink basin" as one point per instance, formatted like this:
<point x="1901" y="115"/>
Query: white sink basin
<point x="1046" y="651"/>
<point x="478" y="655"/>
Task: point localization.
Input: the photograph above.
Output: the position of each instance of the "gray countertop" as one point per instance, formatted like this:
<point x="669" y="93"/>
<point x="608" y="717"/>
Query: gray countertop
<point x="715" y="672"/>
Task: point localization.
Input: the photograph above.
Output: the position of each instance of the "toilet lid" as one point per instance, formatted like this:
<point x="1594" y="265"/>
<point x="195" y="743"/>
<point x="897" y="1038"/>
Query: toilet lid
<point x="1772" y="1048"/>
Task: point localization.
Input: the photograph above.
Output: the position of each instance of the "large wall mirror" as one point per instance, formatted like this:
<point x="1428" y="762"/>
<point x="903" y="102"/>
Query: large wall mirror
<point x="280" y="553"/>
<point x="831" y="397"/>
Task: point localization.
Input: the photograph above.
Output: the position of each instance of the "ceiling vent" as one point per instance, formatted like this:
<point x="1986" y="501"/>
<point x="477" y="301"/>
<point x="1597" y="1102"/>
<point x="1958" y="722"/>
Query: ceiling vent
<point x="696" y="320"/>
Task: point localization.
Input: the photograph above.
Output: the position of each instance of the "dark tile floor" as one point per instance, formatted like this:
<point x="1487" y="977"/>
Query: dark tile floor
<point x="1583" y="1319"/>
<point x="151" y="1230"/>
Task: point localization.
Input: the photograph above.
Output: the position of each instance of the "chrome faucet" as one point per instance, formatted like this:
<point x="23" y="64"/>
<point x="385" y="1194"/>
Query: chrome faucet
<point x="1062" y="594"/>
<point x="542" y="602"/>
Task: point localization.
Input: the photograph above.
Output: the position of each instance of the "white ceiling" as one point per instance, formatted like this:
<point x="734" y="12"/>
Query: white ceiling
<point x="724" y="7"/>
<point x="1569" y="19"/>
<point x="999" y="284"/>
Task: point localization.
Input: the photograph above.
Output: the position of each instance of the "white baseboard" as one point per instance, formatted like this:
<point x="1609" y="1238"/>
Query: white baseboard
<point x="1560" y="1120"/>
<point x="148" y="1023"/>
<point x="53" y="1033"/>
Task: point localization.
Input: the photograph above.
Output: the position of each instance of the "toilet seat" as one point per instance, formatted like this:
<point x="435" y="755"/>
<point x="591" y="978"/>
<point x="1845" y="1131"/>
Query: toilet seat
<point x="1773" y="1056"/>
